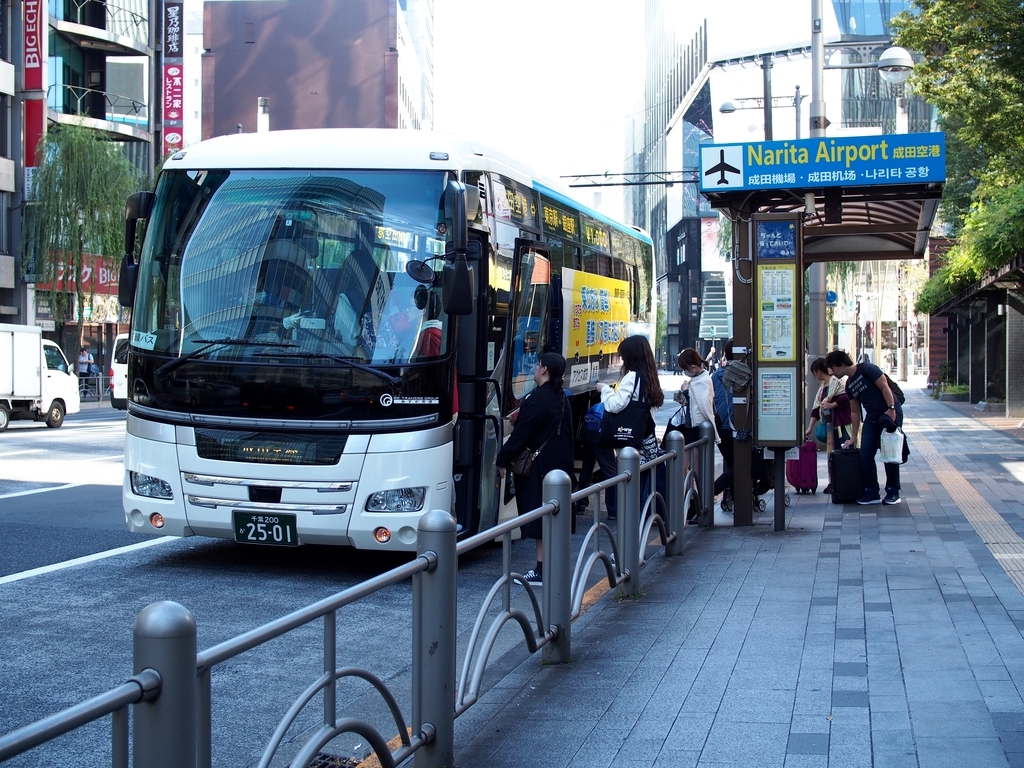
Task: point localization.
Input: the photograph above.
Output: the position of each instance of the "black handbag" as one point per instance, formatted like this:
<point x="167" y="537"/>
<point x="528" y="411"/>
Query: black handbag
<point x="627" y="427"/>
<point x="522" y="464"/>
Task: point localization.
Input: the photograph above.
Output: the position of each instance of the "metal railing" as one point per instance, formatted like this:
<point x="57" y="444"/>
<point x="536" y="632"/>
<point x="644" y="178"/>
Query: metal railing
<point x="171" y="688"/>
<point x="92" y="389"/>
<point x="75" y="100"/>
<point x="119" y="20"/>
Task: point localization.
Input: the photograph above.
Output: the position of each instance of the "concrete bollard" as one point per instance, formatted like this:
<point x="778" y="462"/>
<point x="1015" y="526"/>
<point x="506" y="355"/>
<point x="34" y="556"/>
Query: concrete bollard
<point x="164" y="729"/>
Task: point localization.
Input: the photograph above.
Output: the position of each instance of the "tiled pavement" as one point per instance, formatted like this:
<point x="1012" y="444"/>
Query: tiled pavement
<point x="860" y="636"/>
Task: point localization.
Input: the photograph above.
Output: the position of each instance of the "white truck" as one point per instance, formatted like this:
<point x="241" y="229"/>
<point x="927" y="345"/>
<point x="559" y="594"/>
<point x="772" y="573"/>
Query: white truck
<point x="36" y="381"/>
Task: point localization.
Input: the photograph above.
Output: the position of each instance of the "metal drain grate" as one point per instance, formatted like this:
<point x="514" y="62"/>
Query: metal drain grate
<point x="323" y="760"/>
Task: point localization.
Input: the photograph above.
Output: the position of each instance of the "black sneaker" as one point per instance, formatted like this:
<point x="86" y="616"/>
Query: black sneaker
<point x="892" y="497"/>
<point x="532" y="577"/>
<point x="869" y="497"/>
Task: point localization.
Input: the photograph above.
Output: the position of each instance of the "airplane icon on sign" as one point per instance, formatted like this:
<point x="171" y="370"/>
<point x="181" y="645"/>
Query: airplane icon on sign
<point x="721" y="167"/>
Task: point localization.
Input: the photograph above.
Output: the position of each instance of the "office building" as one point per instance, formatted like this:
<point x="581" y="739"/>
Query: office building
<point x="320" y="63"/>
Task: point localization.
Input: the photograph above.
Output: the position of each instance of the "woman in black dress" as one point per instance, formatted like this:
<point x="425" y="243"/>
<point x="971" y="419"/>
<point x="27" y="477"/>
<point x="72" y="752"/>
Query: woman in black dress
<point x="544" y="415"/>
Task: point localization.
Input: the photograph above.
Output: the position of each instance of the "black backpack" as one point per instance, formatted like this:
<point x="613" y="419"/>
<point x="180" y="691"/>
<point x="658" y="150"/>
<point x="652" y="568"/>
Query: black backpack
<point x="896" y="391"/>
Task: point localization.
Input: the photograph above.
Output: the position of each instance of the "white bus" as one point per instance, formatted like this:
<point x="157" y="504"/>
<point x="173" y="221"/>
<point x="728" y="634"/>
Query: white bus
<point x="330" y="327"/>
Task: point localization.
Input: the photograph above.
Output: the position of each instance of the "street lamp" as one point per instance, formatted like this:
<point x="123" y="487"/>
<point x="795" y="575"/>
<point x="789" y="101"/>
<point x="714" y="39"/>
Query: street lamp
<point x="757" y="102"/>
<point x="895" y="65"/>
<point x="894" y="62"/>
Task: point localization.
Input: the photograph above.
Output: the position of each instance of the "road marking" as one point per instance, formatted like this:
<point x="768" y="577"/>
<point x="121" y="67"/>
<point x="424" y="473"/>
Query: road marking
<point x="39" y="490"/>
<point x="87" y="559"/>
<point x="22" y="453"/>
<point x="42" y="470"/>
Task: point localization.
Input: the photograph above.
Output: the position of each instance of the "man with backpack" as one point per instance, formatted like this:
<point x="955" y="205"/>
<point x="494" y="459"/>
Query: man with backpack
<point x="868" y="386"/>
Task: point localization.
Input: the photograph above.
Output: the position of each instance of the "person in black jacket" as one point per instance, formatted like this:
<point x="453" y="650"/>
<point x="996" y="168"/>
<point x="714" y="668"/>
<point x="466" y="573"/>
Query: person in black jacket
<point x="867" y="386"/>
<point x="545" y="419"/>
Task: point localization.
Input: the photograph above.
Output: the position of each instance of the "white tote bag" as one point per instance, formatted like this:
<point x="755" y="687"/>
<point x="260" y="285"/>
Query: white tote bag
<point x="892" y="447"/>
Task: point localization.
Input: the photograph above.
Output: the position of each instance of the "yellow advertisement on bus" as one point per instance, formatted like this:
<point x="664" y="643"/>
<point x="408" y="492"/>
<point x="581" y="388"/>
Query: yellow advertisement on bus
<point x="595" y="317"/>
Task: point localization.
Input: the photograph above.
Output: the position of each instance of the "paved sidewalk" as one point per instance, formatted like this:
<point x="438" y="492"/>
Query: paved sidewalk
<point x="860" y="636"/>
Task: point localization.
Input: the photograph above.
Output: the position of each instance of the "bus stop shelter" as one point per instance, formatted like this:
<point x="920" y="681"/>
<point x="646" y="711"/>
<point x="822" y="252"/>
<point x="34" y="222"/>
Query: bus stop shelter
<point x="794" y="203"/>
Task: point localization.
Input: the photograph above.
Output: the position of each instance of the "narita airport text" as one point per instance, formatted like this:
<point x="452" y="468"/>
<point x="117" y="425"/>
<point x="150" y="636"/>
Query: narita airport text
<point x="831" y="152"/>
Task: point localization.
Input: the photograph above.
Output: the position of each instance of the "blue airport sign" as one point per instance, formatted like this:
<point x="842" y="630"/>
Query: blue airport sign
<point x="849" y="161"/>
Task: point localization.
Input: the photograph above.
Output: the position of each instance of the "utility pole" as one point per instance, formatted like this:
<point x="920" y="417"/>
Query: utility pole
<point x="816" y="272"/>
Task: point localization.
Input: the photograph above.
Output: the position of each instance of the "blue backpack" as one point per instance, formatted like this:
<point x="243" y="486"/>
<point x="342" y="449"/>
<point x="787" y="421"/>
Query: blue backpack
<point x="593" y="417"/>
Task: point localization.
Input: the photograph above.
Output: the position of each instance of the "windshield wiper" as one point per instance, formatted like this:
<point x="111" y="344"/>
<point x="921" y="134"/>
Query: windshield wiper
<point x="338" y="359"/>
<point x="166" y="368"/>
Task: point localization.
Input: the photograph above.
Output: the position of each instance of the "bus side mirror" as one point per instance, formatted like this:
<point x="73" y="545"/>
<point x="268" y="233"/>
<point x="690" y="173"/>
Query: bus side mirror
<point x="127" y="280"/>
<point x="138" y="206"/>
<point x="456" y="278"/>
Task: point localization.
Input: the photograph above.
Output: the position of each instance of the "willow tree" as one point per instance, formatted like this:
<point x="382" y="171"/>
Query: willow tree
<point x="74" y="214"/>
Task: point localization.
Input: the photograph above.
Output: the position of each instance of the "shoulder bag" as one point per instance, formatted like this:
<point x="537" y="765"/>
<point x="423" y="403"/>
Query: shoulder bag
<point x="523" y="463"/>
<point x="629" y="426"/>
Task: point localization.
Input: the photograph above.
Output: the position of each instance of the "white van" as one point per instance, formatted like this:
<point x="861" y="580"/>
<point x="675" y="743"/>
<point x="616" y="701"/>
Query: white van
<point x="119" y="373"/>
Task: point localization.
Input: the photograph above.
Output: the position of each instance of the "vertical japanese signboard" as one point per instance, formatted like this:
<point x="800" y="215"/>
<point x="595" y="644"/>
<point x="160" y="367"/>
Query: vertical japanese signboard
<point x="778" y="330"/>
<point x="174" y="77"/>
<point x="34" y="39"/>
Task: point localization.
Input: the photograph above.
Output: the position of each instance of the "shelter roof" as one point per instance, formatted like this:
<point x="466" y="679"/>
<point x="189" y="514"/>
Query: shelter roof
<point x="868" y="223"/>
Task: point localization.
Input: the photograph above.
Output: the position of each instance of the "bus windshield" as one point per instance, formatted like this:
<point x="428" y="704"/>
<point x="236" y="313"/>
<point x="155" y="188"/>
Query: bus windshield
<point x="313" y="261"/>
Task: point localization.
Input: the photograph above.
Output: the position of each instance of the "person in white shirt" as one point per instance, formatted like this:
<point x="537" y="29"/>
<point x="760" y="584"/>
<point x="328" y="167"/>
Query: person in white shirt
<point x="701" y="393"/>
<point x="639" y="378"/>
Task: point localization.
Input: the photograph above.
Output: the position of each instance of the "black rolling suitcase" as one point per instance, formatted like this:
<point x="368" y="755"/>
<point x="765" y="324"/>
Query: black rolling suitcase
<point x="844" y="469"/>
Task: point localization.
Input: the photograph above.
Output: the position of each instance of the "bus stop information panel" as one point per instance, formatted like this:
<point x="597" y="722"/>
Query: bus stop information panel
<point x="778" y="327"/>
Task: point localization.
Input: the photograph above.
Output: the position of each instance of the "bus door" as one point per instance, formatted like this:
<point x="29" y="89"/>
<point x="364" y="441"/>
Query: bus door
<point x="478" y="429"/>
<point x="530" y="321"/>
<point x="527" y="334"/>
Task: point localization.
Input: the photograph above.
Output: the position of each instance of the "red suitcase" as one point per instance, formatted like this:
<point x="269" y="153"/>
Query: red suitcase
<point x="802" y="472"/>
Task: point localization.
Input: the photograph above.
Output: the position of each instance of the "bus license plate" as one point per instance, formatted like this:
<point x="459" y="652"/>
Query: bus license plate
<point x="265" y="529"/>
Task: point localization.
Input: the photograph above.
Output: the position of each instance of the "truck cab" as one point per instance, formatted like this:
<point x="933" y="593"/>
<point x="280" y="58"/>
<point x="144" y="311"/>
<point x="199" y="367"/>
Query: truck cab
<point x="36" y="381"/>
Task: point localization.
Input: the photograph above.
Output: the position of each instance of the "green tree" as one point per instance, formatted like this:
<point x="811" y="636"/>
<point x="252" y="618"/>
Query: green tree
<point x="75" y="211"/>
<point x="973" y="72"/>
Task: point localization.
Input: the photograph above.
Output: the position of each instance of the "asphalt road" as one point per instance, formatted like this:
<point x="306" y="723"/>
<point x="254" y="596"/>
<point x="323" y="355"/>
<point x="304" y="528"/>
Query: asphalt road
<point x="72" y="582"/>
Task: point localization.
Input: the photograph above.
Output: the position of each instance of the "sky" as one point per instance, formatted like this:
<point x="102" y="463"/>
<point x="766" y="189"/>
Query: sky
<point x="550" y="82"/>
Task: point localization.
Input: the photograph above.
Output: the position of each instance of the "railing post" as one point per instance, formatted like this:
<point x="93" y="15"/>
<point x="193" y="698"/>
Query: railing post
<point x="558" y="567"/>
<point x="164" y="729"/>
<point x="434" y="599"/>
<point x="676" y="492"/>
<point x="629" y="521"/>
<point x="706" y="476"/>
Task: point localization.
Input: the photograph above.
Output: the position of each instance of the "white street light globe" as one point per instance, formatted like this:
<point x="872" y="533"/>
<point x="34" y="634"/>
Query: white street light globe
<point x="895" y="65"/>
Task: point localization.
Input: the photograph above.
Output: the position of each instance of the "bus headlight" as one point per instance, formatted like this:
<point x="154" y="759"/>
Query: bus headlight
<point x="153" y="487"/>
<point x="397" y="500"/>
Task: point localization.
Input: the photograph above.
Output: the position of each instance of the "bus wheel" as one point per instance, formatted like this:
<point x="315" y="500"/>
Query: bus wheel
<point x="55" y="417"/>
<point x="5" y="418"/>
